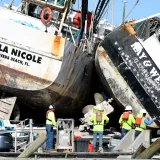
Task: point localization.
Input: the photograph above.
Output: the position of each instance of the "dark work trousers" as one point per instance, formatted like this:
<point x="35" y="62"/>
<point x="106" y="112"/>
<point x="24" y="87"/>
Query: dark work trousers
<point x="50" y="136"/>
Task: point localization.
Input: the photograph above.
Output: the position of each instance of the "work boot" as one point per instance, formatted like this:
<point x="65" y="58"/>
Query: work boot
<point x="94" y="150"/>
<point x="100" y="150"/>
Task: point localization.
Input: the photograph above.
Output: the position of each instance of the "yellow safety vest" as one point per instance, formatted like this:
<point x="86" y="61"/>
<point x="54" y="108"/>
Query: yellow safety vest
<point x="127" y="124"/>
<point x="98" y="126"/>
<point x="50" y="118"/>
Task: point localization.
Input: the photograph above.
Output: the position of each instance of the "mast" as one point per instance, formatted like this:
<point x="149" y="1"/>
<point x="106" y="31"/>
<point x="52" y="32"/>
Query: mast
<point x="124" y="10"/>
<point x="113" y="13"/>
<point x="84" y="11"/>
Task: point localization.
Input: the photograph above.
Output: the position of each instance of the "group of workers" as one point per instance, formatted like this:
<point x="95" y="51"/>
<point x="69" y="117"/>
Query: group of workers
<point x="99" y="119"/>
<point x="128" y="122"/>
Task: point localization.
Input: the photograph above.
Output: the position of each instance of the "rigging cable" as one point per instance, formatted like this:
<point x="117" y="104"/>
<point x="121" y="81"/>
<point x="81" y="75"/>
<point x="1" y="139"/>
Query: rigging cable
<point x="106" y="11"/>
<point x="101" y="6"/>
<point x="92" y="20"/>
<point x="104" y="7"/>
<point x="132" y="9"/>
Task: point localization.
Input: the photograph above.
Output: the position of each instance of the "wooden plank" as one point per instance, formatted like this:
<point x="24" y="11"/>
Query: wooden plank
<point x="6" y="107"/>
<point x="150" y="151"/>
<point x="33" y="146"/>
<point x="138" y="151"/>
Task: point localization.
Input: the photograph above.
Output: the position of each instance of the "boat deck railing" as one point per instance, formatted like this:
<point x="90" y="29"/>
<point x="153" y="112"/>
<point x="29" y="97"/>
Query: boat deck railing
<point x="52" y="5"/>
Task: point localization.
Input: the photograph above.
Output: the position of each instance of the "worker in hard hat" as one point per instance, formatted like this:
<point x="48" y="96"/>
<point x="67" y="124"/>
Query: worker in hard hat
<point x="99" y="119"/>
<point x="126" y="121"/>
<point x="141" y="122"/>
<point x="50" y="122"/>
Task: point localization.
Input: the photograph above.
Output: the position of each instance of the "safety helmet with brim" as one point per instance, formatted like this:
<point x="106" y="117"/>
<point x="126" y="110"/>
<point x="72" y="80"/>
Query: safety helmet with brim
<point x="143" y="111"/>
<point x="52" y="107"/>
<point x="128" y="108"/>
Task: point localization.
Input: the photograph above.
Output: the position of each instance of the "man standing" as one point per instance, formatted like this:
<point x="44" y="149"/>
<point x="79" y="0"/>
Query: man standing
<point x="50" y="122"/>
<point x="141" y="122"/>
<point x="99" y="119"/>
<point x="126" y="121"/>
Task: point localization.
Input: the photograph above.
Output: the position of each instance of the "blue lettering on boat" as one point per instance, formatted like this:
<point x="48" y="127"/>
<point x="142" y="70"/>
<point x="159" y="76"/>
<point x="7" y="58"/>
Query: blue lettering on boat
<point x="25" y="23"/>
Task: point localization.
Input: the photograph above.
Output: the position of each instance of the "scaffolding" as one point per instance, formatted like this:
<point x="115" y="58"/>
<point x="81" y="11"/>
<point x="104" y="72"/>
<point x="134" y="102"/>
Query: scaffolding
<point x="22" y="134"/>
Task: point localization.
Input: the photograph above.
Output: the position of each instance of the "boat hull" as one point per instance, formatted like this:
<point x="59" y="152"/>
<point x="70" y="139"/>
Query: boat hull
<point x="42" y="69"/>
<point x="118" y="72"/>
<point x="68" y="91"/>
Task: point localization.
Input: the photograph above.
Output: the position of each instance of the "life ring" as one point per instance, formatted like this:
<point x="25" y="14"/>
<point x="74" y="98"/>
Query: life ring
<point x="49" y="12"/>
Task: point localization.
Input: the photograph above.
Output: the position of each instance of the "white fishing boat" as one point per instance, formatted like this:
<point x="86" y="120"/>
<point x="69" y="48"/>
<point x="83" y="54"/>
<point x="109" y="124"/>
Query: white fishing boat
<point x="43" y="58"/>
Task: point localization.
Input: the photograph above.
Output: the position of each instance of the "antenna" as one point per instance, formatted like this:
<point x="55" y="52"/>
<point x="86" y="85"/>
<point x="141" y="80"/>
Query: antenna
<point x="124" y="10"/>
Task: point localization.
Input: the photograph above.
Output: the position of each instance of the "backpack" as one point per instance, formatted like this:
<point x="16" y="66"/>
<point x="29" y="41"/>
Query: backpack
<point x="138" y="120"/>
<point x="125" y="115"/>
<point x="99" y="116"/>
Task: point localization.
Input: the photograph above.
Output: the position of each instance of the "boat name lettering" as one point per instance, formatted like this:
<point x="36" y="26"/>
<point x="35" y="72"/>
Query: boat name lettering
<point x="7" y="51"/>
<point x="4" y="56"/>
<point x="3" y="49"/>
<point x="27" y="56"/>
<point x="138" y="49"/>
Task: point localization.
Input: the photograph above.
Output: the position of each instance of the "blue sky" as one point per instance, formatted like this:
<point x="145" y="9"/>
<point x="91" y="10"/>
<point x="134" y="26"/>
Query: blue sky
<point x="144" y="8"/>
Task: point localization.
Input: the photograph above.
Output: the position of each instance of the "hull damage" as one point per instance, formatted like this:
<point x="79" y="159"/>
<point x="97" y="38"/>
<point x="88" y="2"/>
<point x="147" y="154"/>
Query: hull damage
<point x="129" y="70"/>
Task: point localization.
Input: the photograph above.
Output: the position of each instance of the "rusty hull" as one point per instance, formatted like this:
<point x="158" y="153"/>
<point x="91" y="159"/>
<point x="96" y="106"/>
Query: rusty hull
<point x="68" y="92"/>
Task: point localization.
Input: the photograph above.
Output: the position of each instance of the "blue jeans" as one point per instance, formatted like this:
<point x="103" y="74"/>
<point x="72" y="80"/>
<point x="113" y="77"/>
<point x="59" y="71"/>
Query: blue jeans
<point x="137" y="133"/>
<point x="50" y="136"/>
<point x="95" y="134"/>
<point x="123" y="132"/>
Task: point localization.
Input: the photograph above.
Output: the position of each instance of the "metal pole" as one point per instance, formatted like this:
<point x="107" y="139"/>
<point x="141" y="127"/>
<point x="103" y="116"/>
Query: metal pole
<point x="124" y="9"/>
<point x="31" y="130"/>
<point x="15" y="141"/>
<point x="112" y="13"/>
<point x="72" y="135"/>
<point x="10" y="5"/>
<point x="143" y="19"/>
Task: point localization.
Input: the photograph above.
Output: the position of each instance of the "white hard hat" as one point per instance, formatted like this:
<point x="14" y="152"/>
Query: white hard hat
<point x="52" y="106"/>
<point x="143" y="111"/>
<point x="98" y="107"/>
<point x="128" y="108"/>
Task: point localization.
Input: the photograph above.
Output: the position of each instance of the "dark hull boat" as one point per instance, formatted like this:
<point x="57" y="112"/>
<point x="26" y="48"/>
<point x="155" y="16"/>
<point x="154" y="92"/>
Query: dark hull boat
<point x="45" y="68"/>
<point x="128" y="64"/>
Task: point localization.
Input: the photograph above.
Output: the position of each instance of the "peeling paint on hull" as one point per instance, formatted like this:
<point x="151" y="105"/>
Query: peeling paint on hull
<point x="114" y="83"/>
<point x="41" y="68"/>
<point x="69" y="91"/>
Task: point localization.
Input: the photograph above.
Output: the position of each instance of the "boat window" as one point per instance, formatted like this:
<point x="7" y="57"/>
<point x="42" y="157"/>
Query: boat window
<point x="147" y="28"/>
<point x="35" y="11"/>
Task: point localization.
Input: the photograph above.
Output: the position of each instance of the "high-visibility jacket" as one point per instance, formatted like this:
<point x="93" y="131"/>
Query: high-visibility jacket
<point x="127" y="124"/>
<point x="50" y="118"/>
<point x="142" y="126"/>
<point x="98" y="126"/>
